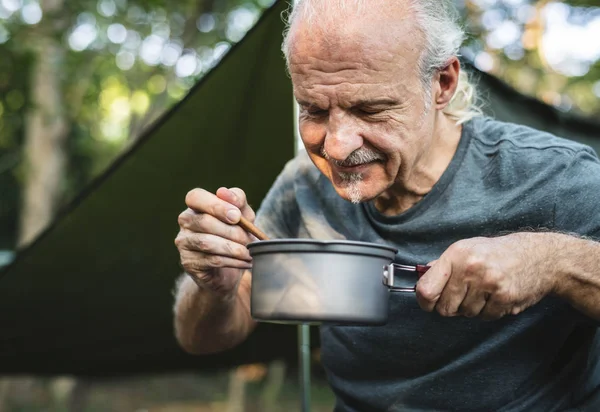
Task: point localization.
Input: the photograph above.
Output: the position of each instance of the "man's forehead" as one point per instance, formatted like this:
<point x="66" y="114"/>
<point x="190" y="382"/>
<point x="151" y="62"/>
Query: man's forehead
<point x="335" y="40"/>
<point x="351" y="61"/>
<point x="348" y="93"/>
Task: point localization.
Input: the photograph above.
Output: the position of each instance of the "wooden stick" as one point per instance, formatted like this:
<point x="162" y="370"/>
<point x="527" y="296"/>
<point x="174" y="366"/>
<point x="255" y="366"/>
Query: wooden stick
<point x="249" y="227"/>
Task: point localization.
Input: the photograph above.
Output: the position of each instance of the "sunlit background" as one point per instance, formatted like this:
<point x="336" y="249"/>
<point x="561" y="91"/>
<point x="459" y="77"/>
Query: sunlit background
<point x="104" y="71"/>
<point x="546" y="49"/>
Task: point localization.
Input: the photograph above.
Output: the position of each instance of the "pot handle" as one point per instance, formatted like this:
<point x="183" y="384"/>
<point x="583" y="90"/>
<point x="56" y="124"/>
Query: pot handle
<point x="392" y="268"/>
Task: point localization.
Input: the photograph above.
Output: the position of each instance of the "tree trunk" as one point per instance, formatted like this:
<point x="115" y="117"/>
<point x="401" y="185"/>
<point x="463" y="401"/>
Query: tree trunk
<point x="44" y="148"/>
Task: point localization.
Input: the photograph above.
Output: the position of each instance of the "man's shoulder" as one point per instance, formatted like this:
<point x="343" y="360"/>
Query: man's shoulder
<point x="511" y="137"/>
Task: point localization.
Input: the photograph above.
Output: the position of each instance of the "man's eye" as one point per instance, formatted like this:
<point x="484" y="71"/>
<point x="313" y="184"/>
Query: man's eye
<point x="367" y="111"/>
<point x="316" y="112"/>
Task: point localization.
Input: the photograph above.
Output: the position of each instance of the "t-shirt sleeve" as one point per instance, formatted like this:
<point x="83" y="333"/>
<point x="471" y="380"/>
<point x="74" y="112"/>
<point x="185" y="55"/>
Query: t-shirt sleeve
<point x="577" y="203"/>
<point x="278" y="214"/>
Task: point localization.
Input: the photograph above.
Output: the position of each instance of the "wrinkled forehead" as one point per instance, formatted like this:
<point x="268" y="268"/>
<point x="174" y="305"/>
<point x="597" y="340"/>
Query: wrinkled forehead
<point x="338" y="36"/>
<point x="362" y="52"/>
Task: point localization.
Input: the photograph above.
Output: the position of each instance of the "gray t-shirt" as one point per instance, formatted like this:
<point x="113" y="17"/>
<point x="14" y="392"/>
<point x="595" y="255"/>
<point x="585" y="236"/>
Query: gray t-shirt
<point x="503" y="177"/>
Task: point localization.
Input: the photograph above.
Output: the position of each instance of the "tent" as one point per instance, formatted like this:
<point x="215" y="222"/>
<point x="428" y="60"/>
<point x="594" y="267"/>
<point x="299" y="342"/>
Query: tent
<point x="93" y="296"/>
<point x="505" y="103"/>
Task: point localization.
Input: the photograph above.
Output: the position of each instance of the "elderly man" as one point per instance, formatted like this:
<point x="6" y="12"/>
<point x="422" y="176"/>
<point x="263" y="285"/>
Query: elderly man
<point x="396" y="153"/>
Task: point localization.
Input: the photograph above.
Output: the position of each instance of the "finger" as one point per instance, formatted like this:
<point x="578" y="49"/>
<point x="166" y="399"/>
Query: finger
<point x="196" y="263"/>
<point x="494" y="310"/>
<point x="451" y="297"/>
<point x="191" y="221"/>
<point x="213" y="245"/>
<point x="237" y="197"/>
<point x="202" y="201"/>
<point x="431" y="284"/>
<point x="473" y="303"/>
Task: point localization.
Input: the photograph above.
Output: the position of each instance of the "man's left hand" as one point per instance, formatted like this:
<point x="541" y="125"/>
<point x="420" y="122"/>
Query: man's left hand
<point x="488" y="277"/>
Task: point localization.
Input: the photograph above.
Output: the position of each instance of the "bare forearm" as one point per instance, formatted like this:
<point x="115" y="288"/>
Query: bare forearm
<point x="577" y="267"/>
<point x="205" y="323"/>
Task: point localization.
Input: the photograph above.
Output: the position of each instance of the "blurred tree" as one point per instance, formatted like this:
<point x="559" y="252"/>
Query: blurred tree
<point x="83" y="79"/>
<point x="542" y="48"/>
<point x="46" y="127"/>
<point x="13" y="92"/>
<point x="582" y="3"/>
<point x="93" y="74"/>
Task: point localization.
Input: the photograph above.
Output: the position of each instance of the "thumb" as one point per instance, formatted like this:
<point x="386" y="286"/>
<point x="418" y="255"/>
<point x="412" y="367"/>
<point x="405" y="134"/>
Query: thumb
<point x="432" y="283"/>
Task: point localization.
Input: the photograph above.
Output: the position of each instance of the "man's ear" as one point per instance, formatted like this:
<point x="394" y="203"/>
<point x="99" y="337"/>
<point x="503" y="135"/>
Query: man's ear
<point x="446" y="83"/>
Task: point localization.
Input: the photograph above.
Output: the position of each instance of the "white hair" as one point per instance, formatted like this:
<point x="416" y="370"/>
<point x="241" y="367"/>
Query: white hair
<point x="438" y="20"/>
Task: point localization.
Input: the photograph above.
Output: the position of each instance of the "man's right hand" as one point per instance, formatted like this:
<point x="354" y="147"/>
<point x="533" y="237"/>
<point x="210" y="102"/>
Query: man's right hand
<point x="212" y="247"/>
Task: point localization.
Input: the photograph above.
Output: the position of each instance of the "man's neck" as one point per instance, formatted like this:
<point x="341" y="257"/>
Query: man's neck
<point x="426" y="172"/>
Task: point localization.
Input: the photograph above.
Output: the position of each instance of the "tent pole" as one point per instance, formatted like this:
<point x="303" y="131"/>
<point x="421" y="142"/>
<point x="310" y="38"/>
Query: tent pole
<point x="304" y="356"/>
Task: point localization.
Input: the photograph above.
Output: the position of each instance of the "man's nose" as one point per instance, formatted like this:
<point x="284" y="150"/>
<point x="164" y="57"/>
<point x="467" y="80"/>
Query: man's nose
<point x="342" y="137"/>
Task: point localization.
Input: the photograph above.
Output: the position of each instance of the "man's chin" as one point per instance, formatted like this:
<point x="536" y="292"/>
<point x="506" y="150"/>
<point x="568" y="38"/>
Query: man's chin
<point x="354" y="193"/>
<point x="355" y="187"/>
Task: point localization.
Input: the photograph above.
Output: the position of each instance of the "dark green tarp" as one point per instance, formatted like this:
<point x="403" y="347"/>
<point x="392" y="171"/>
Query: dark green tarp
<point x="93" y="295"/>
<point x="505" y="103"/>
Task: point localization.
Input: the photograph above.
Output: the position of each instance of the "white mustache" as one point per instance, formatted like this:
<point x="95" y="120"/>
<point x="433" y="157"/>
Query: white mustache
<point x="357" y="157"/>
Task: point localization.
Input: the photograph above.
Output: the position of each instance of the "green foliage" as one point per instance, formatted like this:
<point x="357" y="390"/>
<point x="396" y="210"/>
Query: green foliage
<point x="115" y="80"/>
<point x="520" y="43"/>
<point x="582" y="3"/>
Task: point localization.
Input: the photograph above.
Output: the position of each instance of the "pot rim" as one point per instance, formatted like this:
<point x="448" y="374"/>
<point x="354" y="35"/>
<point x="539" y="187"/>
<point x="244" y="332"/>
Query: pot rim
<point x="324" y="246"/>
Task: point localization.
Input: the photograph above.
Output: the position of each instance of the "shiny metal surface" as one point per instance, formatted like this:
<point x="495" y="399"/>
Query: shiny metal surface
<point x="306" y="281"/>
<point x="389" y="273"/>
<point x="304" y="363"/>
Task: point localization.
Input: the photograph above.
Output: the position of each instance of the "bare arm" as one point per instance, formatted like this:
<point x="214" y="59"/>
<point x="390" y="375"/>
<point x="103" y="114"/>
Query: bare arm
<point x="207" y="323"/>
<point x="577" y="263"/>
<point x="494" y="277"/>
<point x="212" y="307"/>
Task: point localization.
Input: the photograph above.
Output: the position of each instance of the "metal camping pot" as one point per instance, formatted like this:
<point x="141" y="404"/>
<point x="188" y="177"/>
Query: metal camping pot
<point x="310" y="281"/>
